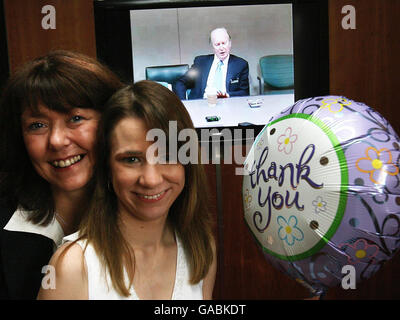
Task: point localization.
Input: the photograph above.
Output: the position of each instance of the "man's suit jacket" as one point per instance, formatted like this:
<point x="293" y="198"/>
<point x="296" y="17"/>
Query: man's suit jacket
<point x="22" y="257"/>
<point x="237" y="77"/>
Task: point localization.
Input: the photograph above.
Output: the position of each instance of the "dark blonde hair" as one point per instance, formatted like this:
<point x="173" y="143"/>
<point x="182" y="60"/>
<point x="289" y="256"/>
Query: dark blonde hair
<point x="60" y="80"/>
<point x="189" y="215"/>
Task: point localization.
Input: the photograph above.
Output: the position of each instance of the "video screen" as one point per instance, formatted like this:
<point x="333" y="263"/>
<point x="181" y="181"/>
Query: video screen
<point x="176" y="36"/>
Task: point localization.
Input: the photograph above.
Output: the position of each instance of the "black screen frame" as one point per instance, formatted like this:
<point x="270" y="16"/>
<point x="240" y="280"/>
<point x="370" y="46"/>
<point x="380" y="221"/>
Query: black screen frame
<point x="310" y="37"/>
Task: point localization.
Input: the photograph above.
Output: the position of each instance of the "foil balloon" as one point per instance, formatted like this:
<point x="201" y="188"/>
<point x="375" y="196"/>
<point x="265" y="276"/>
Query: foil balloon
<point x="321" y="192"/>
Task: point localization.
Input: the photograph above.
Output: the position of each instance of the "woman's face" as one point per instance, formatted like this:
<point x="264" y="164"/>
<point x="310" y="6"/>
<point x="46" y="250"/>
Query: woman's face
<point x="60" y="145"/>
<point x="145" y="190"/>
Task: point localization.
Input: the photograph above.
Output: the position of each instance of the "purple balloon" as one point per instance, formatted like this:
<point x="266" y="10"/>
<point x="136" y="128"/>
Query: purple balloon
<point x="321" y="193"/>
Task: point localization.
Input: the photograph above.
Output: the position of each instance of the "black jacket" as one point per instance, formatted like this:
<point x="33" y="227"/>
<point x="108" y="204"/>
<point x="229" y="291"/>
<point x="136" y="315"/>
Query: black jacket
<point x="22" y="257"/>
<point x="237" y="77"/>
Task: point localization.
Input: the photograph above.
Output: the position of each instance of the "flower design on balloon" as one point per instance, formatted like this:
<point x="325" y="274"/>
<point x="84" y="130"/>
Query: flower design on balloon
<point x="360" y="251"/>
<point x="334" y="105"/>
<point x="289" y="231"/>
<point x="247" y="199"/>
<point x="260" y="144"/>
<point x="286" y="141"/>
<point x="378" y="163"/>
<point x="319" y="205"/>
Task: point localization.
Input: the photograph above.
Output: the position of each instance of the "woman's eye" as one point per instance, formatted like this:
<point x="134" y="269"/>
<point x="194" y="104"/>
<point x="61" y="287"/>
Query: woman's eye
<point x="76" y="119"/>
<point x="35" y="126"/>
<point x="131" y="160"/>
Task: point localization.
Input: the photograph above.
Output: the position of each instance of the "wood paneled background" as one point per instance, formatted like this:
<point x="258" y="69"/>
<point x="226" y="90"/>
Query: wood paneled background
<point x="364" y="63"/>
<point x="364" y="66"/>
<point x="27" y="39"/>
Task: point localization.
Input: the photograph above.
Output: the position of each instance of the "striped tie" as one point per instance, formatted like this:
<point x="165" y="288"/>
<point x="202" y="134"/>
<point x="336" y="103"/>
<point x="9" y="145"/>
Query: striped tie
<point x="218" y="77"/>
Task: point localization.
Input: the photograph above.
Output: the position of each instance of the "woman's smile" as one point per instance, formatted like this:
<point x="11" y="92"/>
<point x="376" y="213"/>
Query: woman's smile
<point x="152" y="197"/>
<point x="67" y="162"/>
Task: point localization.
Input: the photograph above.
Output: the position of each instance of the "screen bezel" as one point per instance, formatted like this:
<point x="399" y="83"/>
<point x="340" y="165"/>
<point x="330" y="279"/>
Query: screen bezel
<point x="310" y="37"/>
<point x="310" y="21"/>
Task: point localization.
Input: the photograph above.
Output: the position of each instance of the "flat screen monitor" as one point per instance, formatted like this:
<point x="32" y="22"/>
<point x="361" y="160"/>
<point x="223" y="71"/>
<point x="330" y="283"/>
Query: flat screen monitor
<point x="134" y="35"/>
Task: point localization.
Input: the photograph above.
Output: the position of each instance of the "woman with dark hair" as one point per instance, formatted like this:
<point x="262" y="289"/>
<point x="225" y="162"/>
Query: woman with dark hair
<point x="148" y="231"/>
<point x="49" y="114"/>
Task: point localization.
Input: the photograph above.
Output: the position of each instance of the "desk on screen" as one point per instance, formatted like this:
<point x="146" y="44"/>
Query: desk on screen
<point x="235" y="110"/>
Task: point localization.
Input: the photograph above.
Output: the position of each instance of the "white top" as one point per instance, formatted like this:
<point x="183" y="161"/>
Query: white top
<point x="100" y="285"/>
<point x="19" y="222"/>
<point x="211" y="75"/>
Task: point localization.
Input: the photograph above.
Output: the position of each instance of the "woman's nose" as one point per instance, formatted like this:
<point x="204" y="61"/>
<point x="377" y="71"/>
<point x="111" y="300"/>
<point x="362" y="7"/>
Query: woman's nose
<point x="151" y="175"/>
<point x="58" y="137"/>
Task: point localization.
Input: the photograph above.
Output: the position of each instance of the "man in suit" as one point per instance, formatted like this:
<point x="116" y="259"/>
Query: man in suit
<point x="221" y="71"/>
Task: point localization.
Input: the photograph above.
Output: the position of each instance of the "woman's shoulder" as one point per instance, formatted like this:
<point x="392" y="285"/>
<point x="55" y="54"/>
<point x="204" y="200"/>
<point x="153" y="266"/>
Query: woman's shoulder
<point x="68" y="262"/>
<point x="71" y="249"/>
<point x="69" y="253"/>
<point x="70" y="272"/>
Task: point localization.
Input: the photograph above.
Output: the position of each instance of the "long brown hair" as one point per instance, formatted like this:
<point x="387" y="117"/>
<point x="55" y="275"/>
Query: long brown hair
<point x="189" y="215"/>
<point x="60" y="80"/>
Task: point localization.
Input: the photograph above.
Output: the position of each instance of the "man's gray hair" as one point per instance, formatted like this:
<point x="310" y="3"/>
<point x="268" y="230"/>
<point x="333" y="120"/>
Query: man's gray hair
<point x="218" y="29"/>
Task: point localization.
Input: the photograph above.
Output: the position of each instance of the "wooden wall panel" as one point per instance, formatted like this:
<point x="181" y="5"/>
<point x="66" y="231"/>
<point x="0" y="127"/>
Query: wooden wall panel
<point x="27" y="39"/>
<point x="364" y="63"/>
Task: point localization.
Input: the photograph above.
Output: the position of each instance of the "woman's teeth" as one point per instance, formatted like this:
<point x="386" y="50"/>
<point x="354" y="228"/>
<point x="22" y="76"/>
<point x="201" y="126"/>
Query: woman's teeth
<point x="155" y="196"/>
<point x="66" y="163"/>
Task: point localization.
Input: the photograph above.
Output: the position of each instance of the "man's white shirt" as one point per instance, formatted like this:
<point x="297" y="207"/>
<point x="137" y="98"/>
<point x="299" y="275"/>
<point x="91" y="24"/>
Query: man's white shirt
<point x="211" y="75"/>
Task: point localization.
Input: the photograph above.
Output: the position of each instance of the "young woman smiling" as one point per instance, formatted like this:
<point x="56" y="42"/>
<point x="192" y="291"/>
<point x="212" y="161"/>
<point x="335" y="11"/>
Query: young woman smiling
<point x="148" y="225"/>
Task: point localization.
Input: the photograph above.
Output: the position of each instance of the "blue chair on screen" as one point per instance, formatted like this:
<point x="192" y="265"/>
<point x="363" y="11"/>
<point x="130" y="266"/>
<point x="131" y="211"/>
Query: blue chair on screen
<point x="166" y="75"/>
<point x="277" y="74"/>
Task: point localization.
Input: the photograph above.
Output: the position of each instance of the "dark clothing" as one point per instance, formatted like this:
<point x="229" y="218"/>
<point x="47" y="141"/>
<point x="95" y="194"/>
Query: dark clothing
<point x="22" y="257"/>
<point x="237" y="78"/>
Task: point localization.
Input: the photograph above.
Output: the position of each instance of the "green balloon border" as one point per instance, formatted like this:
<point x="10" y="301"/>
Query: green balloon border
<point x="343" y="188"/>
